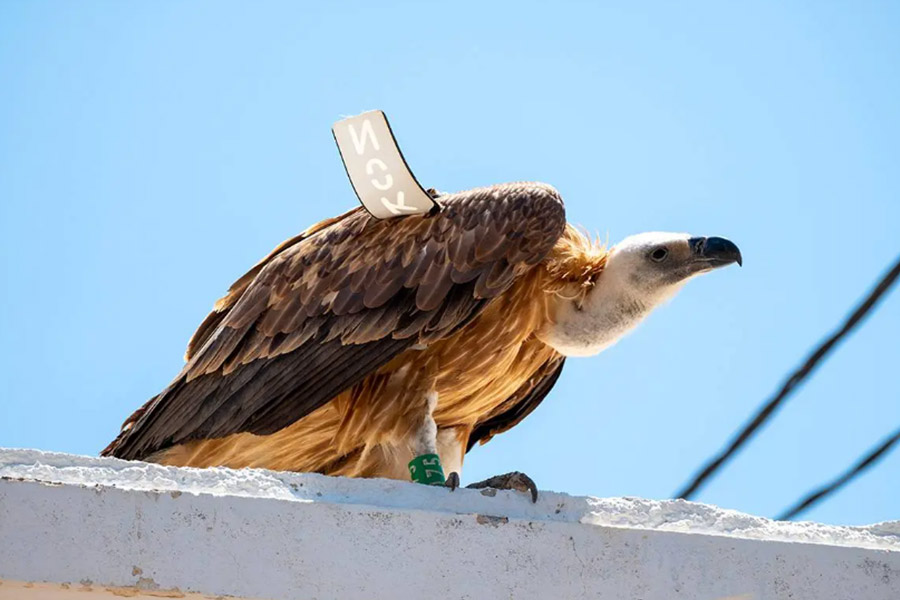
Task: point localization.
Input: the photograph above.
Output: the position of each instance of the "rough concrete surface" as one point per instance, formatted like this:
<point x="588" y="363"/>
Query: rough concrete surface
<point x="84" y="527"/>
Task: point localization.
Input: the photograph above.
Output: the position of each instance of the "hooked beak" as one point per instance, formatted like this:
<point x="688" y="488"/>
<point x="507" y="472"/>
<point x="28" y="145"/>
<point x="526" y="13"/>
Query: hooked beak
<point x="713" y="252"/>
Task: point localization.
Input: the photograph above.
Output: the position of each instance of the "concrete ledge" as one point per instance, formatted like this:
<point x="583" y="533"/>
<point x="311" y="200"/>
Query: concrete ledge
<point x="83" y="527"/>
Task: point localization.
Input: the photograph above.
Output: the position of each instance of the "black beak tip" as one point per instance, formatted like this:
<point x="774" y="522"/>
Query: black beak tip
<point x="718" y="250"/>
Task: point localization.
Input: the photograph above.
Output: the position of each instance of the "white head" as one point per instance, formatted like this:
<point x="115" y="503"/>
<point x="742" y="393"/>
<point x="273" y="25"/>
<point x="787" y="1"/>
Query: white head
<point x="641" y="272"/>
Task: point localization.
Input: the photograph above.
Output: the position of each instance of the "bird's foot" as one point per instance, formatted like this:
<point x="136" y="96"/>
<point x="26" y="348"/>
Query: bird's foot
<point x="509" y="481"/>
<point x="452" y="481"/>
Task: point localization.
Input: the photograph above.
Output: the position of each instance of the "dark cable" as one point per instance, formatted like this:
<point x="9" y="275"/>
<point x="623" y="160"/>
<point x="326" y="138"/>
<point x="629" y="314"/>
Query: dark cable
<point x="814" y="497"/>
<point x="792" y="382"/>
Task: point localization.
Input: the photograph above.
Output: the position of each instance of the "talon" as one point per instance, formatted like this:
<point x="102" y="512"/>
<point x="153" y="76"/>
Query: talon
<point x="509" y="481"/>
<point x="452" y="481"/>
<point x="524" y="483"/>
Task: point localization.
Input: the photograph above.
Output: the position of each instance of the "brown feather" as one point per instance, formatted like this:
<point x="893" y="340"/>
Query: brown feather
<point x="489" y="376"/>
<point x="242" y="376"/>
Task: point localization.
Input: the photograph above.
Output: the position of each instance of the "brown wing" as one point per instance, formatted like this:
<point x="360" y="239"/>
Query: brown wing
<point x="332" y="306"/>
<point x="520" y="405"/>
<point x="225" y="303"/>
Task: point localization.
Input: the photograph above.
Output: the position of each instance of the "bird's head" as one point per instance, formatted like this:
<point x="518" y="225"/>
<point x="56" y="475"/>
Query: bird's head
<point x="659" y="263"/>
<point x="641" y="272"/>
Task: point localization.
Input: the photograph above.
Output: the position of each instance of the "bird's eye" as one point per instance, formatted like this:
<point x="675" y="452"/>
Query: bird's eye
<point x="659" y="254"/>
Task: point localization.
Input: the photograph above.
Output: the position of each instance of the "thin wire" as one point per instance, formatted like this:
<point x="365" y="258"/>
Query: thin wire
<point x="846" y="477"/>
<point x="789" y="385"/>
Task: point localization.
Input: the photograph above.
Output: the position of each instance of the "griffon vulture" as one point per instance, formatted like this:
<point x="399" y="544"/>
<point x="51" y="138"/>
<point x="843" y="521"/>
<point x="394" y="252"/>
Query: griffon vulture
<point x="362" y="344"/>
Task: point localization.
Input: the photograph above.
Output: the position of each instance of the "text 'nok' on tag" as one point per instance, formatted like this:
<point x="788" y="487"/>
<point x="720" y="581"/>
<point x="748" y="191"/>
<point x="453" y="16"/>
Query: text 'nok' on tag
<point x="379" y="174"/>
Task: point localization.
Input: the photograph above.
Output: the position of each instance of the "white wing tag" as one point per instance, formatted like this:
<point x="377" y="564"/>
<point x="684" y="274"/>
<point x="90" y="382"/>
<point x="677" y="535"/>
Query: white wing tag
<point x="376" y="168"/>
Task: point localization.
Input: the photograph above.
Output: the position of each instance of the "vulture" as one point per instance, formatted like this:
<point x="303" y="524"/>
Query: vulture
<point x="369" y="347"/>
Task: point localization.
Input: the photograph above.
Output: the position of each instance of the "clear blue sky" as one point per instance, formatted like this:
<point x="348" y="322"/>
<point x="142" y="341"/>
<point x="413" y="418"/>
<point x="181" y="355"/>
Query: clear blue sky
<point x="151" y="152"/>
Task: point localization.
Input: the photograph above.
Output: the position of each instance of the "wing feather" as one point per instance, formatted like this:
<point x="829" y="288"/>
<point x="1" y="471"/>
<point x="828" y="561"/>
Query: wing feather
<point x="334" y="304"/>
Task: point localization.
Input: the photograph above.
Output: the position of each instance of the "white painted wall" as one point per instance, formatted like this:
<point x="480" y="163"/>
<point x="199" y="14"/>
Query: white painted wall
<point x="86" y="527"/>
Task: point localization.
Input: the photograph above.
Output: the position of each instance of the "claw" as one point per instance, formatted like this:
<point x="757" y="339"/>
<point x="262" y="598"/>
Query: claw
<point x="452" y="481"/>
<point x="509" y="481"/>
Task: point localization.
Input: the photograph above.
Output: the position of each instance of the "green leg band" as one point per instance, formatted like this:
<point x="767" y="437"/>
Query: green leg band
<point x="426" y="468"/>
